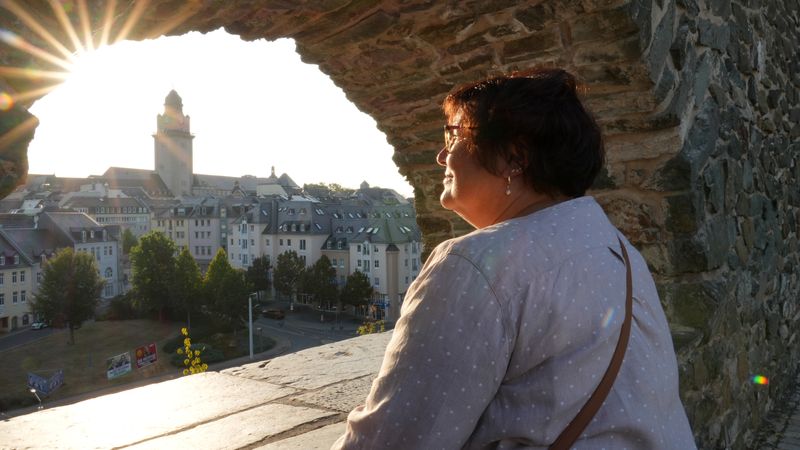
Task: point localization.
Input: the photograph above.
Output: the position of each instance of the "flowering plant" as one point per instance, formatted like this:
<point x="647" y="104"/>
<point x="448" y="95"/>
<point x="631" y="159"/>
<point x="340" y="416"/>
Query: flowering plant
<point x="192" y="361"/>
<point x="371" y="327"/>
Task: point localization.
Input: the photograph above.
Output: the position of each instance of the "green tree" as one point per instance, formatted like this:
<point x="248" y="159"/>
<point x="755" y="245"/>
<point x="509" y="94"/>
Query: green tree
<point x="319" y="280"/>
<point x="226" y="290"/>
<point x="357" y="290"/>
<point x="153" y="266"/>
<point x="288" y="273"/>
<point x="258" y="274"/>
<point x="128" y="241"/>
<point x="70" y="289"/>
<point x="186" y="287"/>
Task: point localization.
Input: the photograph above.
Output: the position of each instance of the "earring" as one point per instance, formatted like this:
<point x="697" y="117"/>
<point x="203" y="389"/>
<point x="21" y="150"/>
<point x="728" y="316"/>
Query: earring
<point x="508" y="186"/>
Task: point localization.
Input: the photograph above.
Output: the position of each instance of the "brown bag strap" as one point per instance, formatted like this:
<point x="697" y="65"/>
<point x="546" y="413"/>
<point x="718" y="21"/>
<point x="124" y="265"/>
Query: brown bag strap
<point x="573" y="431"/>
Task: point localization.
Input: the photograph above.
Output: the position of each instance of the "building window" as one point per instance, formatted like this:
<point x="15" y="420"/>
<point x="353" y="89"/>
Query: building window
<point x="16" y="259"/>
<point x="288" y="242"/>
<point x="303" y="258"/>
<point x="2" y="260"/>
<point x="14" y="297"/>
<point x="252" y="227"/>
<point x="22" y="297"/>
<point x="108" y="290"/>
<point x="25" y="319"/>
<point x="14" y="278"/>
<point x="266" y="242"/>
<point x="375" y="248"/>
<point x="359" y="263"/>
<point x="358" y="248"/>
<point x="109" y="272"/>
<point x="110" y="250"/>
<point x="244" y="259"/>
<point x="280" y="242"/>
<point x="231" y="241"/>
<point x="22" y="277"/>
<point x="302" y="244"/>
<point x="377" y="281"/>
<point x="2" y="299"/>
<point x="252" y="242"/>
<point x="376" y="264"/>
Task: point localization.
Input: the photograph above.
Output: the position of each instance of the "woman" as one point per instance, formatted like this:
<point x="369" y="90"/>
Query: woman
<point x="508" y="330"/>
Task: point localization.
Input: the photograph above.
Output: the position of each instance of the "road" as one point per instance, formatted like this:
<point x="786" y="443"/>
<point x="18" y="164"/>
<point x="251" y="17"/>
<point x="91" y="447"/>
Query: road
<point x="23" y="336"/>
<point x="304" y="330"/>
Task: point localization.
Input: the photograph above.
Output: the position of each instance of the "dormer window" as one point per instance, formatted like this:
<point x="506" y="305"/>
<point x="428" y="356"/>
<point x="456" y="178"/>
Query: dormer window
<point x="2" y="260"/>
<point x="16" y="259"/>
<point x="105" y="235"/>
<point x="83" y="235"/>
<point x="91" y="234"/>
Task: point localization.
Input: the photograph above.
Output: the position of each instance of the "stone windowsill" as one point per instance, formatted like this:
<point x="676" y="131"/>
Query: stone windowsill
<point x="296" y="401"/>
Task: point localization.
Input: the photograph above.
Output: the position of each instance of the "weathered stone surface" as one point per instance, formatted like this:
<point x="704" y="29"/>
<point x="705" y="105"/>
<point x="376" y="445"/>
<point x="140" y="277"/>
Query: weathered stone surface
<point x="345" y="360"/>
<point x="319" y="439"/>
<point x="129" y="417"/>
<point x="240" y="429"/>
<point x="339" y="397"/>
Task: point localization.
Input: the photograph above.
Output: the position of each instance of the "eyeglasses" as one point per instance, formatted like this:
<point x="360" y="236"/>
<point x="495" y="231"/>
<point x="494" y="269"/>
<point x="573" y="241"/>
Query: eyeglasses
<point x="451" y="133"/>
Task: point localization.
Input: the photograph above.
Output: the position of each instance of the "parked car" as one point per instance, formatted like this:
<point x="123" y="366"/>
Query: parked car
<point x="277" y="314"/>
<point x="38" y="325"/>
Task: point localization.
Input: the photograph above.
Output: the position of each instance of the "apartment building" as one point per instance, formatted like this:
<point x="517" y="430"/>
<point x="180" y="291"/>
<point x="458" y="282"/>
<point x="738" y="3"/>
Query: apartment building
<point x="127" y="212"/>
<point x="16" y="285"/>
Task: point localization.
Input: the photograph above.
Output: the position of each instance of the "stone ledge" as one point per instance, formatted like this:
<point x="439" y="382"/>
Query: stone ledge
<point x="296" y="401"/>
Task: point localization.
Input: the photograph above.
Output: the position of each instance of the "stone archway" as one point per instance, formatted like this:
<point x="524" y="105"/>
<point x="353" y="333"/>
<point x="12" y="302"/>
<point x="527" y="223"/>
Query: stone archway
<point x="697" y="98"/>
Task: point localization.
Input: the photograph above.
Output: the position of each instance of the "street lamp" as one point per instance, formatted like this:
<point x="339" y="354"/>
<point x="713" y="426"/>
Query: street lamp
<point x="33" y="391"/>
<point x="250" y="305"/>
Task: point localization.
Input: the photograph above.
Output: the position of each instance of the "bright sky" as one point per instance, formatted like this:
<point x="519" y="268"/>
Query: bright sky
<point x="253" y="105"/>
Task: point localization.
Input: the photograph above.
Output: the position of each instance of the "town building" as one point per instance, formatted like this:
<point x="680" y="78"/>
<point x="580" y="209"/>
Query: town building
<point x="17" y="270"/>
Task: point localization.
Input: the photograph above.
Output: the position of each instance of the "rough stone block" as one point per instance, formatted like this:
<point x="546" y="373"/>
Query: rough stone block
<point x="613" y="23"/>
<point x="713" y="35"/>
<point x="538" y="42"/>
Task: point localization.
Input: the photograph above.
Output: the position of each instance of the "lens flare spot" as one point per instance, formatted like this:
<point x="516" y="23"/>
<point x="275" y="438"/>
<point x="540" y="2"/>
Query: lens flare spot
<point x="10" y="38"/>
<point x="608" y="317"/>
<point x="760" y="379"/>
<point x="6" y="102"/>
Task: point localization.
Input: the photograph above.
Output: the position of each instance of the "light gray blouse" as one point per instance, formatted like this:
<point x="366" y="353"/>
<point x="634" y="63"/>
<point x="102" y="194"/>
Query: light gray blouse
<point x="507" y="332"/>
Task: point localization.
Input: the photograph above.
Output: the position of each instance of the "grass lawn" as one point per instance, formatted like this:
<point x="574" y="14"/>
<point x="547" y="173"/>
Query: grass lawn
<point x="84" y="363"/>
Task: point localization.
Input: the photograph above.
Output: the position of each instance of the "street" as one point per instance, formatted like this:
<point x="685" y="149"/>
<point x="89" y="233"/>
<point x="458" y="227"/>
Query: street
<point x="23" y="336"/>
<point x="302" y="327"/>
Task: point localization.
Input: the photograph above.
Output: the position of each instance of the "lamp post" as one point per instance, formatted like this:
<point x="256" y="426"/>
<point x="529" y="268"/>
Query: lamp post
<point x="250" y="305"/>
<point x="33" y="391"/>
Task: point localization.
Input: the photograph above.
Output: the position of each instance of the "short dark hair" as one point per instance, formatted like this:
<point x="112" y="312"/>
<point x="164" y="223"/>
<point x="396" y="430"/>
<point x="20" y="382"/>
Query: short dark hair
<point x="535" y="119"/>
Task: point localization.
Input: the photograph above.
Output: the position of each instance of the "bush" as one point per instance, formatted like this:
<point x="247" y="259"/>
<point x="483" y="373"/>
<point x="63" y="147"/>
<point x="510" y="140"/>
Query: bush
<point x="121" y="308"/>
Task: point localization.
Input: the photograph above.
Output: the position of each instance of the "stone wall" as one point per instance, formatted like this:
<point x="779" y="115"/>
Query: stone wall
<point x="728" y="71"/>
<point x="698" y="101"/>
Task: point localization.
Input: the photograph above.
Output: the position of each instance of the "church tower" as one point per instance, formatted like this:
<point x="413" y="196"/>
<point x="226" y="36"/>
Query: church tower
<point x="173" y="146"/>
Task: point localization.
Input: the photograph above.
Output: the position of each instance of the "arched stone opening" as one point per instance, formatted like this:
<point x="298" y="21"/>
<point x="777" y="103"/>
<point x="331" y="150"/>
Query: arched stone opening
<point x="697" y="98"/>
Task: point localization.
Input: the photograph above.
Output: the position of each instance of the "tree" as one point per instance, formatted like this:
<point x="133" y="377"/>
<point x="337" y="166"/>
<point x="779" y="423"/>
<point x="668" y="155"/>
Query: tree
<point x="128" y="241"/>
<point x="153" y="265"/>
<point x="226" y="290"/>
<point x="288" y="272"/>
<point x="258" y="274"/>
<point x="319" y="280"/>
<point x="186" y="287"/>
<point x="357" y="290"/>
<point x="70" y="289"/>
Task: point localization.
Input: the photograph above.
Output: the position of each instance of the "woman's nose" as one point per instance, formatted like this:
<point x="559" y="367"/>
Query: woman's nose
<point x="441" y="157"/>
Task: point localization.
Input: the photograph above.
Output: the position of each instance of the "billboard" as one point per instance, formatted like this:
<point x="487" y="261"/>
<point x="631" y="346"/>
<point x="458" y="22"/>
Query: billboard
<point x="46" y="386"/>
<point x="118" y="366"/>
<point x="146" y="355"/>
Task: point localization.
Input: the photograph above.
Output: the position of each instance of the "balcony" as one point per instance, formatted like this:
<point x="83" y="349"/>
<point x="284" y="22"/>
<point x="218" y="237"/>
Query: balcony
<point x="297" y="401"/>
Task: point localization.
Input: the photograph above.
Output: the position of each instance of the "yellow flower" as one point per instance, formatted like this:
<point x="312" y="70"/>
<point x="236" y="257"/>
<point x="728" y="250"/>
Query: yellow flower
<point x="197" y="353"/>
<point x="185" y="362"/>
<point x="184" y="331"/>
<point x="180" y="351"/>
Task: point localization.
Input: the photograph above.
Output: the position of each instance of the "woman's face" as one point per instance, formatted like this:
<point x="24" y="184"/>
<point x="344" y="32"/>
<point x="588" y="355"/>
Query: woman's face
<point x="469" y="190"/>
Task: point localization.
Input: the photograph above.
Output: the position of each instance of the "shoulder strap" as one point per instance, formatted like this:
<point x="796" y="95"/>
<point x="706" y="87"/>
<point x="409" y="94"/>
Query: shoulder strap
<point x="573" y="431"/>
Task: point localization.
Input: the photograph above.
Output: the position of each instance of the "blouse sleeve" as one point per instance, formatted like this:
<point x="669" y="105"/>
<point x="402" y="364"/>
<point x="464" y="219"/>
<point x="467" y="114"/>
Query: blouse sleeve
<point x="442" y="367"/>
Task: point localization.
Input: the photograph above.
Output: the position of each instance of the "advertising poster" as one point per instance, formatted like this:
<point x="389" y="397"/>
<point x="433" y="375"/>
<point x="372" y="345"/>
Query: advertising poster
<point x="46" y="386"/>
<point x="146" y="355"/>
<point x="118" y="366"/>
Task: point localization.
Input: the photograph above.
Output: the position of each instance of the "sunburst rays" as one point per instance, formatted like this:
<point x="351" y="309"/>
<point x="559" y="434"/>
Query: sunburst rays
<point x="54" y="40"/>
